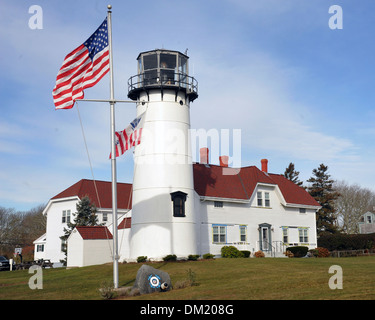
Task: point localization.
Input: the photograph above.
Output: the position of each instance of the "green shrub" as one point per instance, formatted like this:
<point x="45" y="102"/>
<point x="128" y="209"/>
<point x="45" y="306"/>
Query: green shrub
<point x="193" y="257"/>
<point x="231" y="252"/>
<point x="208" y="256"/>
<point x="142" y="259"/>
<point x="170" y="257"/>
<point x="246" y="253"/>
<point x="298" y="251"/>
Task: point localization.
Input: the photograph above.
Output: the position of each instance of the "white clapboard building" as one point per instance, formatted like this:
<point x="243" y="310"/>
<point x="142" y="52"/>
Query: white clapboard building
<point x="175" y="206"/>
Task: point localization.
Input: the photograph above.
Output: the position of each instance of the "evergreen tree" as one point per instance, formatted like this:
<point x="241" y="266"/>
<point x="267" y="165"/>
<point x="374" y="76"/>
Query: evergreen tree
<point x="292" y="175"/>
<point x="85" y="216"/>
<point x="321" y="189"/>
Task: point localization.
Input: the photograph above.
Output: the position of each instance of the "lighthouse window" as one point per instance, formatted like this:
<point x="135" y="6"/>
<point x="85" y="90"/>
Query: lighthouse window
<point x="167" y="68"/>
<point x="182" y="65"/>
<point x="178" y="199"/>
<point x="150" y="62"/>
<point x="167" y="61"/>
<point x="182" y="70"/>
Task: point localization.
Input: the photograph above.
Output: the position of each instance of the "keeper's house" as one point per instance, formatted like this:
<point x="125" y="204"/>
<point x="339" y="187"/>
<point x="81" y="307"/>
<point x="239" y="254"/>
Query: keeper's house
<point x="249" y="208"/>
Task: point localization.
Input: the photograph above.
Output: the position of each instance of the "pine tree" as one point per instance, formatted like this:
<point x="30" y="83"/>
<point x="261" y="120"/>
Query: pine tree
<point x="321" y="189"/>
<point x="85" y="216"/>
<point x="292" y="175"/>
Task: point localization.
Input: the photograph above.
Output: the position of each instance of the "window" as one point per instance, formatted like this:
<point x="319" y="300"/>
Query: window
<point x="302" y="210"/>
<point x="285" y="235"/>
<point x="40" y="248"/>
<point x="219" y="234"/>
<point x="178" y="199"/>
<point x="168" y="61"/>
<point x="267" y="199"/>
<point x="150" y="61"/>
<point x="259" y="197"/>
<point x="105" y="216"/>
<point x="243" y="234"/>
<point x="369" y="220"/>
<point x="218" y="204"/>
<point x="63" y="245"/>
<point x="65" y="216"/>
<point x="303" y="237"/>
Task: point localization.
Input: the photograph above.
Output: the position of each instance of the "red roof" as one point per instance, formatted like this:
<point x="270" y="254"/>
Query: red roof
<point x="293" y="193"/>
<point x="213" y="181"/>
<point x="209" y="181"/>
<point x="125" y="223"/>
<point x="86" y="187"/>
<point x="94" y="232"/>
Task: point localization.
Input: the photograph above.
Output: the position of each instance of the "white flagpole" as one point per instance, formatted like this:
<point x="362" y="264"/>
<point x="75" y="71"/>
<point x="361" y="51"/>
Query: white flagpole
<point x="113" y="155"/>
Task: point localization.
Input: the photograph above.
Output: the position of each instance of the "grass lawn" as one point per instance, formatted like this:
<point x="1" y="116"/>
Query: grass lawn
<point x="219" y="279"/>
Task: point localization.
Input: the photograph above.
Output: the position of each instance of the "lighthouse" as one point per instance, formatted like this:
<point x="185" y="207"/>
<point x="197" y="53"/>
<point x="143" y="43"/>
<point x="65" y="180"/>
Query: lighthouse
<point x="163" y="215"/>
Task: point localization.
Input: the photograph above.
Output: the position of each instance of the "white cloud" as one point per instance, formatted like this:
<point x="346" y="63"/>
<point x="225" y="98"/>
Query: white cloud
<point x="257" y="96"/>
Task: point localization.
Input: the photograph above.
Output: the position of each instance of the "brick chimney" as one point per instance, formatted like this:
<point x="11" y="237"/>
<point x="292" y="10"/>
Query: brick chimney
<point x="264" y="165"/>
<point x="223" y="161"/>
<point x="204" y="155"/>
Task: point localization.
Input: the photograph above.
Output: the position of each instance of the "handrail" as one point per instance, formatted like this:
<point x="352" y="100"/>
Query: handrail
<point x="270" y="245"/>
<point x="163" y="78"/>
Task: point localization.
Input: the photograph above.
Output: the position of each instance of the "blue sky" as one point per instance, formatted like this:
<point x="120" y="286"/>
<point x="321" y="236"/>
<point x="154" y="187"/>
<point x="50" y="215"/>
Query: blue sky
<point x="299" y="91"/>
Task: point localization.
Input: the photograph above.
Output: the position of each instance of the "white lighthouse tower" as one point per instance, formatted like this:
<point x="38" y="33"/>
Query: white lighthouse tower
<point x="163" y="216"/>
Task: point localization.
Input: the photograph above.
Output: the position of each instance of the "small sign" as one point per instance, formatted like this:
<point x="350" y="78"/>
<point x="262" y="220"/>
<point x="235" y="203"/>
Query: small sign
<point x="18" y="251"/>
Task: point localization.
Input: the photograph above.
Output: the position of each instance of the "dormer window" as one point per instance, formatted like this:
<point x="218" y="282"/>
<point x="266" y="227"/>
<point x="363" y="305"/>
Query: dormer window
<point x="178" y="198"/>
<point x="267" y="201"/>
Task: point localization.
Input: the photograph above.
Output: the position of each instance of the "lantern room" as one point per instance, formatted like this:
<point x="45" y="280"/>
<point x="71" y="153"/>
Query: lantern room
<point x="162" y="70"/>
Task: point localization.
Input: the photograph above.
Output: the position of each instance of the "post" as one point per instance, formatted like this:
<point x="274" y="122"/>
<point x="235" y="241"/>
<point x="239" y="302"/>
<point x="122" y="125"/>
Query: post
<point x="113" y="154"/>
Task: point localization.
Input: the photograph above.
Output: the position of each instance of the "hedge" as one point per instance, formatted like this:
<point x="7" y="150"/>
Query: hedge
<point x="246" y="253"/>
<point x="231" y="252"/>
<point x="298" y="251"/>
<point x="170" y="257"/>
<point x="342" y="241"/>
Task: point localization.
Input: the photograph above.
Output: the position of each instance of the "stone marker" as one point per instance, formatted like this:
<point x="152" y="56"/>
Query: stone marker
<point x="150" y="280"/>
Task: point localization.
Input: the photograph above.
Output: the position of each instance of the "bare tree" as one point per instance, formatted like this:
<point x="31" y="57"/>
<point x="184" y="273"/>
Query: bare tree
<point x="353" y="202"/>
<point x="20" y="228"/>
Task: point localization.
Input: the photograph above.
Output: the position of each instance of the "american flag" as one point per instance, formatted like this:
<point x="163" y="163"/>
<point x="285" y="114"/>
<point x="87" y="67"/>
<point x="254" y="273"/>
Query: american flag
<point x="82" y="68"/>
<point x="129" y="137"/>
